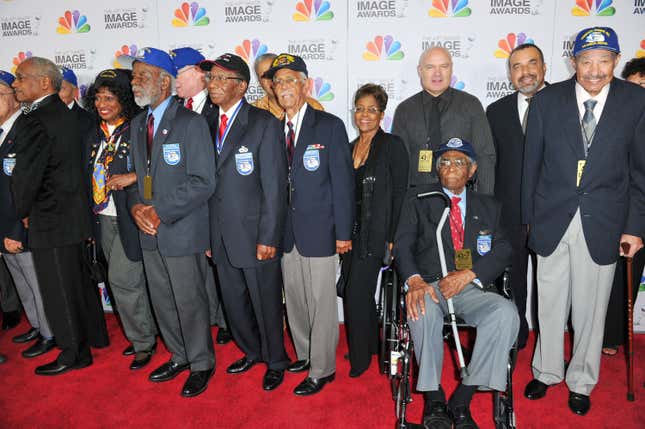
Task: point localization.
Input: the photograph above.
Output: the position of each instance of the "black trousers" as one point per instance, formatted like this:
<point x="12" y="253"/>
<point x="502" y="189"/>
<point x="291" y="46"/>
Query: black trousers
<point x="361" y="320"/>
<point x="518" y="237"/>
<point x="72" y="306"/>
<point x="616" y="320"/>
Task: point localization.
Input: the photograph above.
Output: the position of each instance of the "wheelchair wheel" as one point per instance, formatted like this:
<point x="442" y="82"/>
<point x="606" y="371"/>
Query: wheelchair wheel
<point x="503" y="411"/>
<point x="381" y="311"/>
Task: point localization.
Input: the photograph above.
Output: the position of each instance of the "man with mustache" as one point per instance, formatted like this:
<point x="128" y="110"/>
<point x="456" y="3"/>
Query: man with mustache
<point x="173" y="157"/>
<point x="583" y="195"/>
<point x="507" y="119"/>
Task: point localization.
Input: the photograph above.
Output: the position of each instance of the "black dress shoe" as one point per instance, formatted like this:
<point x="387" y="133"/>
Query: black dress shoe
<point x="310" y="385"/>
<point x="299" y="366"/>
<point x="462" y="419"/>
<point x="535" y="389"/>
<point x="56" y="368"/>
<point x="40" y="347"/>
<point x="10" y="319"/>
<point x="196" y="383"/>
<point x="241" y="365"/>
<point x="142" y="358"/>
<point x="129" y="351"/>
<point x="354" y="373"/>
<point x="435" y="415"/>
<point x="272" y="378"/>
<point x="3" y="358"/>
<point x="167" y="371"/>
<point x="31" y="334"/>
<point x="579" y="403"/>
<point x="223" y="336"/>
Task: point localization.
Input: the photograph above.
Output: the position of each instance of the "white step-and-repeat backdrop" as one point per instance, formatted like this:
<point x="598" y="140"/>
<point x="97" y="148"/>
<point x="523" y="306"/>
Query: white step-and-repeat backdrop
<point x="344" y="42"/>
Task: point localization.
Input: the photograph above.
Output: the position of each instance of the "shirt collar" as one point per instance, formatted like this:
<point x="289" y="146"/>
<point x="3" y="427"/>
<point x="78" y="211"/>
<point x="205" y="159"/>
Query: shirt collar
<point x="8" y="124"/>
<point x="229" y="113"/>
<point x="582" y="95"/>
<point x="158" y="111"/>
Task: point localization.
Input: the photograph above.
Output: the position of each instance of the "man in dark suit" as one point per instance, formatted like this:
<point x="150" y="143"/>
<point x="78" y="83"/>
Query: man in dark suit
<point x="507" y="118"/>
<point x="70" y="94"/>
<point x="437" y="113"/>
<point x="319" y="222"/>
<point x="173" y="157"/>
<point x="477" y="251"/>
<point x="190" y="86"/>
<point x="13" y="235"/>
<point x="247" y="214"/>
<point x="583" y="193"/>
<point x="49" y="195"/>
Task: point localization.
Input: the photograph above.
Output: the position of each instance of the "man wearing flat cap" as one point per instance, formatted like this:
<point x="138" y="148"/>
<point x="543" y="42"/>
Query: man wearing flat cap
<point x="172" y="155"/>
<point x="583" y="195"/>
<point x="477" y="251"/>
<point x="319" y="222"/>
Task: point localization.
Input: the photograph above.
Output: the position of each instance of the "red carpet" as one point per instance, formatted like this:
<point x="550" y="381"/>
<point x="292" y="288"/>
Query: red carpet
<point x="109" y="395"/>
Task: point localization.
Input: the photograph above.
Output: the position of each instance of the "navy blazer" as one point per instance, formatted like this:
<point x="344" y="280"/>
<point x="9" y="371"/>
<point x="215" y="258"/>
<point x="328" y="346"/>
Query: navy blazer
<point x="121" y="164"/>
<point x="415" y="245"/>
<point x="250" y="200"/>
<point x="321" y="209"/>
<point x="611" y="195"/>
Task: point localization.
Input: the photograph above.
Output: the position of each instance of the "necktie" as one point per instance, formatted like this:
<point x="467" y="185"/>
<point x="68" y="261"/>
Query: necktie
<point x="589" y="121"/>
<point x="526" y="115"/>
<point x="1" y="131"/>
<point x="222" y="130"/>
<point x="189" y="103"/>
<point x="291" y="142"/>
<point x="456" y="224"/>
<point x="150" y="127"/>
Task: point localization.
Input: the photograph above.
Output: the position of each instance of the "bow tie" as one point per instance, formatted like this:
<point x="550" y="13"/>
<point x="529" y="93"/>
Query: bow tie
<point x="28" y="108"/>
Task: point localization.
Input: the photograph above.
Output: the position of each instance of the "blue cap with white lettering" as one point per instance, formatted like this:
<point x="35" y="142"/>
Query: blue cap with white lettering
<point x="459" y="145"/>
<point x="6" y="78"/>
<point x="596" y="38"/>
<point x="183" y="57"/>
<point x="154" y="57"/>
<point x="69" y="75"/>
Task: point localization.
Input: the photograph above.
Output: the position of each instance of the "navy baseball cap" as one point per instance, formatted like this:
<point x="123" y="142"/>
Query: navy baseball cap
<point x="154" y="57"/>
<point x="228" y="62"/>
<point x="459" y="145"/>
<point x="187" y="56"/>
<point x="69" y="75"/>
<point x="596" y="38"/>
<point x="286" y="61"/>
<point x="6" y="78"/>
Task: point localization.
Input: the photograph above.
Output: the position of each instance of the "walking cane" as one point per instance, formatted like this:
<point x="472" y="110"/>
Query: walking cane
<point x="463" y="371"/>
<point x="630" y="325"/>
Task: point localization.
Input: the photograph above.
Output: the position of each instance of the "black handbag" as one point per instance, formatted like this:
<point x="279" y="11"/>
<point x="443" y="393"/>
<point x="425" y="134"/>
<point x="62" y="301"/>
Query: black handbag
<point x="97" y="271"/>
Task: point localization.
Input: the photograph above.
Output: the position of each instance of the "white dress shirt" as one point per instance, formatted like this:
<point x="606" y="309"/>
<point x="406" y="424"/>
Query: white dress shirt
<point x="296" y="122"/>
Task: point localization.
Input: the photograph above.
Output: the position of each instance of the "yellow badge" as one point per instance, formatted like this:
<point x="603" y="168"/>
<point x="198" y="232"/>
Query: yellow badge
<point x="581" y="168"/>
<point x="463" y="259"/>
<point x="147" y="187"/>
<point x="425" y="161"/>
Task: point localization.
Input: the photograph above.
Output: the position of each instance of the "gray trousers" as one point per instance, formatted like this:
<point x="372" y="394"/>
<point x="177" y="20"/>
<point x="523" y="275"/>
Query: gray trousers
<point x="310" y="295"/>
<point x="8" y="295"/>
<point x="21" y="267"/>
<point x="128" y="285"/>
<point x="569" y="279"/>
<point x="180" y="303"/>
<point x="215" y="307"/>
<point x="497" y="323"/>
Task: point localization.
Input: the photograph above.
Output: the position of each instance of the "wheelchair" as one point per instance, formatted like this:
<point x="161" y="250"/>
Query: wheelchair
<point x="396" y="354"/>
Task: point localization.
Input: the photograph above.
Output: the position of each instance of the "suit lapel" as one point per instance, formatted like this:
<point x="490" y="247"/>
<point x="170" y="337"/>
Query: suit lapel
<point x="571" y="119"/>
<point x="473" y="223"/>
<point x="237" y="130"/>
<point x="306" y="135"/>
<point x="163" y="131"/>
<point x="514" y="113"/>
<point x="610" y="115"/>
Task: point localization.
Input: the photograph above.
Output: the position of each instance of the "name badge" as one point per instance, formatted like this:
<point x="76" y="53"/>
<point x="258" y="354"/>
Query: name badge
<point x="484" y="242"/>
<point x="311" y="160"/>
<point x="171" y="153"/>
<point x="463" y="259"/>
<point x="244" y="163"/>
<point x="147" y="187"/>
<point x="425" y="161"/>
<point x="581" y="169"/>
<point x="7" y="165"/>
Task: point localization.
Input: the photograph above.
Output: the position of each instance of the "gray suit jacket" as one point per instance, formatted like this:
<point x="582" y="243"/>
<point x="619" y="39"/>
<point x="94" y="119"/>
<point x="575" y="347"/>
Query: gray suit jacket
<point x="463" y="116"/>
<point x="183" y="179"/>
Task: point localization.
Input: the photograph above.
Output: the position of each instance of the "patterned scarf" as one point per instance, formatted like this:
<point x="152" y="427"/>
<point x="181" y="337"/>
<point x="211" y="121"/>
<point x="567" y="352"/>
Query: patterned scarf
<point x="101" y="173"/>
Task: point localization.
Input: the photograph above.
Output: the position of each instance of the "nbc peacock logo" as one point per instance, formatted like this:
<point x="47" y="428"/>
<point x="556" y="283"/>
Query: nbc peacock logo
<point x="383" y="48"/>
<point x="456" y="83"/>
<point x="249" y="50"/>
<point x="130" y="50"/>
<point x="321" y="90"/>
<point x="313" y="10"/>
<point x="640" y="53"/>
<point x="72" y="22"/>
<point x="446" y="8"/>
<point x="190" y="15"/>
<point x="20" y="57"/>
<point x="508" y="43"/>
<point x="593" y="7"/>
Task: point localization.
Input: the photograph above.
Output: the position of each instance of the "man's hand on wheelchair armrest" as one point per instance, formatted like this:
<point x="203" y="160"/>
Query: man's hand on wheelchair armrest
<point x="455" y="282"/>
<point x="415" y="297"/>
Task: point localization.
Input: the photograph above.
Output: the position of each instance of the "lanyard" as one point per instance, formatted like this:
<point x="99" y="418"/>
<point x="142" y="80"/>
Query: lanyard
<point x="219" y="143"/>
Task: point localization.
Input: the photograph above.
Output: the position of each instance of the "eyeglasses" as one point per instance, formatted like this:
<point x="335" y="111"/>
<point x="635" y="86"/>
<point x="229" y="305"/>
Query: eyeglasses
<point x="458" y="163"/>
<point x="371" y="110"/>
<point x="290" y="81"/>
<point x="219" y="78"/>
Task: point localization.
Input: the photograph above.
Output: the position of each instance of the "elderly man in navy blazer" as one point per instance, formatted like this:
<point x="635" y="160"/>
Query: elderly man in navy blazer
<point x="319" y="221"/>
<point x="173" y="157"/>
<point x="583" y="194"/>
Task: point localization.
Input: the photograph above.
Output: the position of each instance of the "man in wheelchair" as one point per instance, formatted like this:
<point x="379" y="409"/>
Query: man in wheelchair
<point x="476" y="252"/>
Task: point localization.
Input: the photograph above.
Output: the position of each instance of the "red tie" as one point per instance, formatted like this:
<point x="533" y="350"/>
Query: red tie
<point x="150" y="125"/>
<point x="189" y="103"/>
<point x="291" y="139"/>
<point x="456" y="225"/>
<point x="222" y="126"/>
